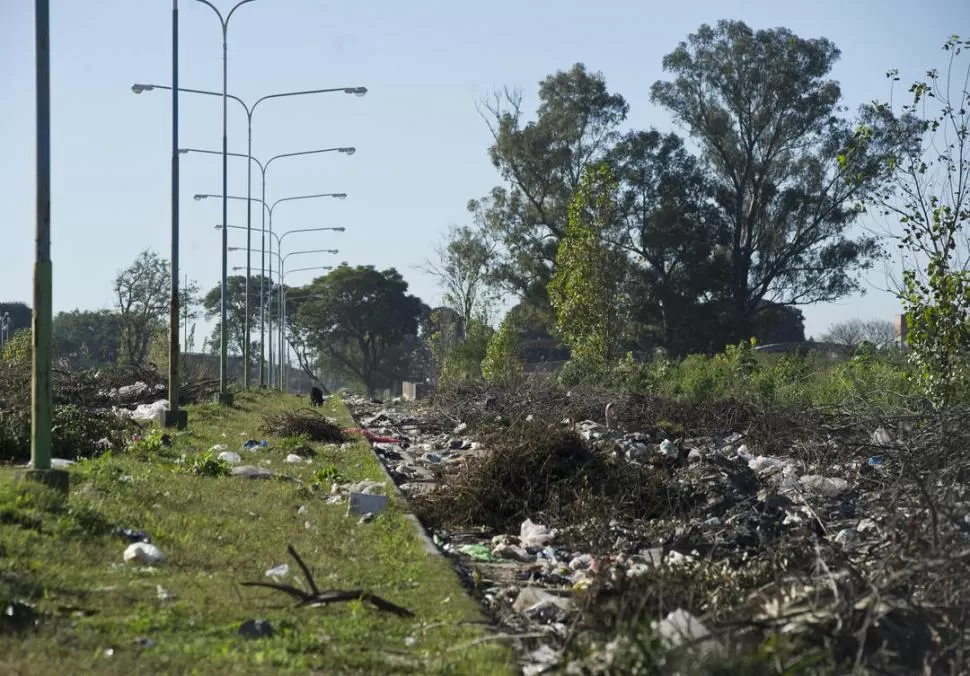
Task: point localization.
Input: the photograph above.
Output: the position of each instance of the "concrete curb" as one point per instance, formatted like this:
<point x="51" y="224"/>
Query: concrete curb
<point x="426" y="541"/>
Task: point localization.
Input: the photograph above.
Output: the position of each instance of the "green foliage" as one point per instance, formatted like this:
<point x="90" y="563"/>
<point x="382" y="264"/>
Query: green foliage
<point x="19" y="316"/>
<point x="501" y="362"/>
<point x="766" y="115"/>
<point x="363" y="320"/>
<point x="142" y="298"/>
<point x="738" y="373"/>
<point x="236" y="307"/>
<point x="147" y="446"/>
<point x="586" y="288"/>
<point x="20" y="347"/>
<point x="87" y="339"/>
<point x="670" y="227"/>
<point x="76" y="432"/>
<point x="207" y="464"/>
<point x="576" y="125"/>
<point x="464" y="361"/>
<point x="327" y="475"/>
<point x="930" y="196"/>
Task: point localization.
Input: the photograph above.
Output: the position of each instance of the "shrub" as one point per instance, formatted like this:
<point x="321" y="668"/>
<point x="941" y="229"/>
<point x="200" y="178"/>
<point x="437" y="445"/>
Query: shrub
<point x="502" y="355"/>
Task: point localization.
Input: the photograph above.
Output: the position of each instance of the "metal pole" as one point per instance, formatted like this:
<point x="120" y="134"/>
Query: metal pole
<point x="279" y="316"/>
<point x="269" y="315"/>
<point x="283" y="351"/>
<point x="41" y="395"/>
<point x="173" y="317"/>
<point x="262" y="289"/>
<point x="249" y="241"/>
<point x="223" y="333"/>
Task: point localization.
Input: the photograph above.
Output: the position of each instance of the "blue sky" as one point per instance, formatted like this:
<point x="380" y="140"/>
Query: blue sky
<point x="422" y="148"/>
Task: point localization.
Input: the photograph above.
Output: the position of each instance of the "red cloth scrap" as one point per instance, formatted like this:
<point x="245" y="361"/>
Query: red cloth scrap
<point x="371" y="437"/>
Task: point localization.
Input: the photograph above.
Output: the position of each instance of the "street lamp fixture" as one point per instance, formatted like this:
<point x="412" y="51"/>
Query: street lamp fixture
<point x="270" y="208"/>
<point x="138" y="88"/>
<point x="264" y="168"/>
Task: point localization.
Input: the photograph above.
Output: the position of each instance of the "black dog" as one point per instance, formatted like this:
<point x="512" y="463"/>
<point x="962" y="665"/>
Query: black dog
<point x="316" y="396"/>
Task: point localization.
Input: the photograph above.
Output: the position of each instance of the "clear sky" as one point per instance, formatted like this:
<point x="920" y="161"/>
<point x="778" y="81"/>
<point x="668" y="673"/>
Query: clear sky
<point x="422" y="148"/>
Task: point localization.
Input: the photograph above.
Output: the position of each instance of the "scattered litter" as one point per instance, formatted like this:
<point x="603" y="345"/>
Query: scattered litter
<point x="679" y="627"/>
<point x="293" y="459"/>
<point x="371" y="437"/>
<point x="251" y="472"/>
<point x="132" y="535"/>
<point x="535" y="535"/>
<point x="143" y="553"/>
<point x="279" y="572"/>
<point x="479" y="553"/>
<point x="366" y="503"/>
<point x="231" y="457"/>
<point x="827" y="487"/>
<point x="163" y="594"/>
<point x="256" y="629"/>
<point x="150" y="412"/>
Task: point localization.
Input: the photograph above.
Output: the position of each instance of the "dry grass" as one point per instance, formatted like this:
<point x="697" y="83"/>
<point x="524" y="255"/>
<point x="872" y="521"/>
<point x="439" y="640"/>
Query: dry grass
<point x="303" y="423"/>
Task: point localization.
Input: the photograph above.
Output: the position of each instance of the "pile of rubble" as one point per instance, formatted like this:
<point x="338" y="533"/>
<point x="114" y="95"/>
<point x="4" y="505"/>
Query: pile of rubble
<point x="814" y="528"/>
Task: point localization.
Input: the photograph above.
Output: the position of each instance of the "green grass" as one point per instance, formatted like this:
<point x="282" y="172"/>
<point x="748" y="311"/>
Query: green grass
<point x="217" y="532"/>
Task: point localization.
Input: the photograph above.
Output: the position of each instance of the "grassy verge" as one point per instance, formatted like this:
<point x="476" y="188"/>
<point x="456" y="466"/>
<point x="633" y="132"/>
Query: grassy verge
<point x="97" y="615"/>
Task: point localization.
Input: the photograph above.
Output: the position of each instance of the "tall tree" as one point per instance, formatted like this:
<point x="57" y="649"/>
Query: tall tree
<point x="762" y="109"/>
<point x="236" y="310"/>
<point x="852" y="332"/>
<point x="142" y="298"/>
<point x="587" y="288"/>
<point x="87" y="339"/>
<point x="464" y="271"/>
<point x="929" y="196"/>
<point x="542" y="162"/>
<point x="360" y="318"/>
<point x="669" y="225"/>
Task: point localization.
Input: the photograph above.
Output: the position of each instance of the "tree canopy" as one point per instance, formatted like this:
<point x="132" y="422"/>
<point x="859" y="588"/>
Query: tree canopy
<point x="361" y="319"/>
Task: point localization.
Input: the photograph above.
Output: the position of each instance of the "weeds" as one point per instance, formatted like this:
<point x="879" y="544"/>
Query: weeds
<point x="207" y="464"/>
<point x="326" y="476"/>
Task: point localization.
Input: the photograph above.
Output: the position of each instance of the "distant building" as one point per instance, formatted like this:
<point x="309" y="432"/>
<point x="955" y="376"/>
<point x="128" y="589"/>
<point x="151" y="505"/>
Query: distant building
<point x="899" y="323"/>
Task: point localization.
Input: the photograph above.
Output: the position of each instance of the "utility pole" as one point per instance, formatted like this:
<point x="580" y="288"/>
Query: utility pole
<point x="174" y="417"/>
<point x="41" y="394"/>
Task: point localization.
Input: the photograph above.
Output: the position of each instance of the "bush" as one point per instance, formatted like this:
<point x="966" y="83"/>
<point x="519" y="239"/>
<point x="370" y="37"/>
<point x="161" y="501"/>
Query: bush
<point x="19" y="348"/>
<point x="502" y="355"/>
<point x="208" y="464"/>
<point x="76" y="433"/>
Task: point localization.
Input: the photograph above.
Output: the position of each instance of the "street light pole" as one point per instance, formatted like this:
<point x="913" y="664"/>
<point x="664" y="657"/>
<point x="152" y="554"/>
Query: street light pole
<point x="269" y="209"/>
<point x="250" y="110"/>
<point x="225" y="398"/>
<point x="174" y="417"/>
<point x="41" y="394"/>
<point x="281" y="276"/>
<point x="263" y="168"/>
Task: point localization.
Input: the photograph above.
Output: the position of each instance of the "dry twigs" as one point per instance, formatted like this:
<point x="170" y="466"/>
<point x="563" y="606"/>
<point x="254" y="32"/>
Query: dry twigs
<point x="305" y="422"/>
<point x="315" y="598"/>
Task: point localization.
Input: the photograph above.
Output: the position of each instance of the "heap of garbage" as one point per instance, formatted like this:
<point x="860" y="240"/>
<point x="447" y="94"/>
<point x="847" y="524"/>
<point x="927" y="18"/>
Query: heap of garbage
<point x="711" y="544"/>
